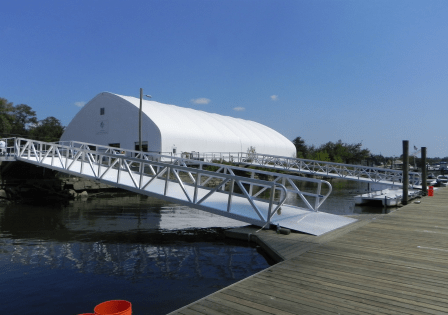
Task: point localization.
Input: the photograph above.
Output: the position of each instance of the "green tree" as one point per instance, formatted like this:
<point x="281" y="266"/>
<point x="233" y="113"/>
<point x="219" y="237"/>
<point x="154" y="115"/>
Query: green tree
<point x="48" y="129"/>
<point x="356" y="154"/>
<point x="6" y="117"/>
<point x="321" y="156"/>
<point x="338" y="159"/>
<point x="301" y="147"/>
<point x="338" y="152"/>
<point x="24" y="118"/>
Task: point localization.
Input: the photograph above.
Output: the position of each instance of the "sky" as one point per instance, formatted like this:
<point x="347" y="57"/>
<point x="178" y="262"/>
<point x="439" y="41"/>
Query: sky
<point x="370" y="72"/>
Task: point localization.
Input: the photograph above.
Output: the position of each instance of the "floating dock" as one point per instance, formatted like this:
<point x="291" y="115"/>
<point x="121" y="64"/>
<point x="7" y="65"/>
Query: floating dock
<point x="386" y="197"/>
<point x="394" y="263"/>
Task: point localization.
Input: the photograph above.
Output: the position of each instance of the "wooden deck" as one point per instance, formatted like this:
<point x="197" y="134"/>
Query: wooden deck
<point x="385" y="264"/>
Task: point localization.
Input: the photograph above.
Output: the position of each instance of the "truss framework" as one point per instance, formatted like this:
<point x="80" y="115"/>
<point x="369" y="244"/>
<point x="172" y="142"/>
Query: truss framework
<point x="199" y="184"/>
<point x="319" y="168"/>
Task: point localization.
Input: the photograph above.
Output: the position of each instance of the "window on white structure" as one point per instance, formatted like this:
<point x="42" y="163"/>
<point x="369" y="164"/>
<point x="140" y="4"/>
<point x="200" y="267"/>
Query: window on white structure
<point x="144" y="146"/>
<point x="102" y="111"/>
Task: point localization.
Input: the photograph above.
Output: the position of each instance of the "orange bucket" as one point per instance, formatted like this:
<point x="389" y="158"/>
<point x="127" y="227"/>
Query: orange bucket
<point x="114" y="307"/>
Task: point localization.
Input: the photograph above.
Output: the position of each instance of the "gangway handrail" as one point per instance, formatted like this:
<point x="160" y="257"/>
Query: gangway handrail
<point x="322" y="168"/>
<point x="144" y="168"/>
<point x="319" y="198"/>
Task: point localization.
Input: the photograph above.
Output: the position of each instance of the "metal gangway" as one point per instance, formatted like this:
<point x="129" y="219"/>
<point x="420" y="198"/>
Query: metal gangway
<point x="278" y="199"/>
<point x="368" y="174"/>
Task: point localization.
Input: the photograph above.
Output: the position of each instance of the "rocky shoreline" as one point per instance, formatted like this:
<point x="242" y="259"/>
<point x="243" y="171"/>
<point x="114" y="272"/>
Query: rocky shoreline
<point x="42" y="191"/>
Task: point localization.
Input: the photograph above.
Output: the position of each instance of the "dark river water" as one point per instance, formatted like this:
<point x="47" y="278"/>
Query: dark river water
<point x="65" y="259"/>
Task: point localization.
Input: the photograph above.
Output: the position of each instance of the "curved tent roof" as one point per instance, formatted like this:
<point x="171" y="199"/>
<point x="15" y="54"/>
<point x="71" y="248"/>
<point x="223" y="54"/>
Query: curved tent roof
<point x="185" y="128"/>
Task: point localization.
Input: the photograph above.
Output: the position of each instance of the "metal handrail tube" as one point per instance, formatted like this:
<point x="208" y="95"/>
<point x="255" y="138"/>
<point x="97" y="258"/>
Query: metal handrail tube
<point x="85" y="155"/>
<point x="312" y="165"/>
<point x="82" y="149"/>
<point x="280" y="203"/>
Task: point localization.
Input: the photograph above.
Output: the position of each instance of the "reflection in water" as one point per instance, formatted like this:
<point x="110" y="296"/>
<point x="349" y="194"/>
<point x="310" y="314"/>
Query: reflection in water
<point x="67" y="259"/>
<point x="136" y="261"/>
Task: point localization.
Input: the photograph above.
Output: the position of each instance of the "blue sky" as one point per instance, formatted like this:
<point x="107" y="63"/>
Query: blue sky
<point x="374" y="72"/>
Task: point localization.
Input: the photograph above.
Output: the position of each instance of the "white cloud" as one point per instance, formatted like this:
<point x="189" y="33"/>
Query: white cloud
<point x="200" y="101"/>
<point x="274" y="97"/>
<point x="80" y="104"/>
<point x="239" y="109"/>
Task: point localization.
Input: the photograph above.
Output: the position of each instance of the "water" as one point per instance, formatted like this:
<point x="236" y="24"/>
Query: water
<point x="67" y="259"/>
<point x="160" y="256"/>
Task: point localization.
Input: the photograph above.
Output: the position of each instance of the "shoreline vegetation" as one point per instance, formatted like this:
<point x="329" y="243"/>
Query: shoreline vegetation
<point x="340" y="152"/>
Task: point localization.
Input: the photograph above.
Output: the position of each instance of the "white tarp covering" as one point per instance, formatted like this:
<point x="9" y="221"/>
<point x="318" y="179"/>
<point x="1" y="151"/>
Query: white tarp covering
<point x="113" y="119"/>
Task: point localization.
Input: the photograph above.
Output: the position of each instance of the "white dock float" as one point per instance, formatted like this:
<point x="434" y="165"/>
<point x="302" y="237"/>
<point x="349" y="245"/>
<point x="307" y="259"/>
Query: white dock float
<point x="387" y="197"/>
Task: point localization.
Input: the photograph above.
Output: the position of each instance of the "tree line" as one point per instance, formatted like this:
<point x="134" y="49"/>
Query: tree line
<point x="338" y="152"/>
<point x="346" y="153"/>
<point x="21" y="121"/>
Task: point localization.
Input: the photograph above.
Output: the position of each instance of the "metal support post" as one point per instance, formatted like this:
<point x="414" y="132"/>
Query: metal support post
<point x="140" y="121"/>
<point x="424" y="172"/>
<point x="404" y="198"/>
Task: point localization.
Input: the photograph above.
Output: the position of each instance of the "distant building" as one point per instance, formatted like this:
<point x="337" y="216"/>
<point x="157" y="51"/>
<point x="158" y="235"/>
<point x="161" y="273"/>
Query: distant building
<point x="112" y="120"/>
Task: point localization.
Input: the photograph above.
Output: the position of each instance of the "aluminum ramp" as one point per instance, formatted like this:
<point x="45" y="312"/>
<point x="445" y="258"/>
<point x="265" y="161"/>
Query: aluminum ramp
<point x="189" y="186"/>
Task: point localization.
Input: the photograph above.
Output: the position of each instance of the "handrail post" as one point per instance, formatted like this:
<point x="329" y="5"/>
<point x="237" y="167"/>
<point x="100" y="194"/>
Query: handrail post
<point x="271" y="204"/>
<point x="17" y="147"/>
<point x="319" y="189"/>
<point x="167" y="177"/>
<point x="251" y="186"/>
<point x="198" y="181"/>
<point x="229" y="200"/>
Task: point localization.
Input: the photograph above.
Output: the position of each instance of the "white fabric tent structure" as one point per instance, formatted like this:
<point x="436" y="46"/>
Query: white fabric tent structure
<point x="111" y="119"/>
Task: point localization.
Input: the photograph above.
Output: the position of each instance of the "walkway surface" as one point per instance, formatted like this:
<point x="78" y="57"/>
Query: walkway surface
<point x="395" y="263"/>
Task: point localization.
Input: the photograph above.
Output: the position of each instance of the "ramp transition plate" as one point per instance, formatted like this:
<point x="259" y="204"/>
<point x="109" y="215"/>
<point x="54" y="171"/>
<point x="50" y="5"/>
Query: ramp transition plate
<point x="315" y="223"/>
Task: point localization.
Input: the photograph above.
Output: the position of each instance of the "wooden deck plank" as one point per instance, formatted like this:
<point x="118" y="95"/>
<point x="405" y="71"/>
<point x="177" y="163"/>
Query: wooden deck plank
<point x="320" y="299"/>
<point x="267" y="299"/>
<point x="336" y="286"/>
<point x="230" y="307"/>
<point x="319" y="293"/>
<point x="257" y="308"/>
<point x="394" y="263"/>
<point x="375" y="282"/>
<point x="405" y="289"/>
<point x="348" y="263"/>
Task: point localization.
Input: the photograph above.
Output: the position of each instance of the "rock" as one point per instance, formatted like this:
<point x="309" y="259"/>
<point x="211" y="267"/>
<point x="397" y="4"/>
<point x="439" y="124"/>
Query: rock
<point x="3" y="194"/>
<point x="84" y="194"/>
<point x="78" y="185"/>
<point x="72" y="193"/>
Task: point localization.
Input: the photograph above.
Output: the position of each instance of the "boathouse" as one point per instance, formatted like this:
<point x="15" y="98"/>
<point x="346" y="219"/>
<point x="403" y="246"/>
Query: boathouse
<point x="113" y="120"/>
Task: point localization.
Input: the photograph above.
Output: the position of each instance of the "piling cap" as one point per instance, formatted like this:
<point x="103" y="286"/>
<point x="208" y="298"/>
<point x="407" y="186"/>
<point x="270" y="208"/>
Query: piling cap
<point x="114" y="307"/>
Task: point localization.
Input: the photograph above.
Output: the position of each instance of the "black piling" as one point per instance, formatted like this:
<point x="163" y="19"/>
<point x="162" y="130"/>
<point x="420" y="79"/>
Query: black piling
<point x="404" y="198"/>
<point x="424" y="172"/>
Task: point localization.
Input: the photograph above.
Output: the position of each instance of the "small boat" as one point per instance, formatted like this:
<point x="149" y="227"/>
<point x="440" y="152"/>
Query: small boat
<point x="442" y="180"/>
